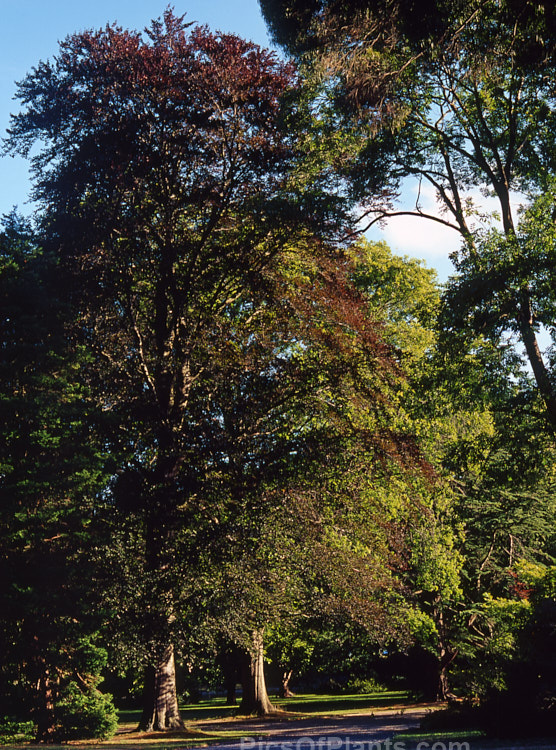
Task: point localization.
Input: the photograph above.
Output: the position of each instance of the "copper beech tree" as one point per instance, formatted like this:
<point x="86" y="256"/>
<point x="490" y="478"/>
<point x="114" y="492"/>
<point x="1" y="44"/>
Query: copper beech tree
<point x="161" y="173"/>
<point x="167" y="192"/>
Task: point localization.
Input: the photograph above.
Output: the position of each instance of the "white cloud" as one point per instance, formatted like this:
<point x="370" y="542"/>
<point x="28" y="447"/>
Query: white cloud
<point x="411" y="235"/>
<point x="426" y="238"/>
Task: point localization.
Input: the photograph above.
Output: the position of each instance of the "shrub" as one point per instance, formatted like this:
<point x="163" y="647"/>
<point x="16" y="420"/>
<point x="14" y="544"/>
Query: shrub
<point x="16" y="731"/>
<point x="364" y="685"/>
<point x="85" y="715"/>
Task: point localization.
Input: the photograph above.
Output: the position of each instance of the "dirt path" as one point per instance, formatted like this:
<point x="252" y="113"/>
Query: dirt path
<point x="350" y="732"/>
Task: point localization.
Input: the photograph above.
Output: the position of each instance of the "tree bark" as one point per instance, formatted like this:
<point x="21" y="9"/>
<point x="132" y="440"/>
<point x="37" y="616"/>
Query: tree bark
<point x="445" y="657"/>
<point x="160" y="708"/>
<point x="255" y="697"/>
<point x="443" y="690"/>
<point x="160" y="702"/>
<point x="285" y="691"/>
<point x="46" y="722"/>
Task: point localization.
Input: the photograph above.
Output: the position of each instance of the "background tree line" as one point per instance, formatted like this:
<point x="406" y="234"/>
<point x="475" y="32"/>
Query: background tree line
<point x="228" y="422"/>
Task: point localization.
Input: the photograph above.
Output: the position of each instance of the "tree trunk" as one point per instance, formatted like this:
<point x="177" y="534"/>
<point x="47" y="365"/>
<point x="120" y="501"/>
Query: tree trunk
<point x="445" y="657"/>
<point x="231" y="699"/>
<point x="160" y="708"/>
<point x="443" y="690"/>
<point x="255" y="697"/>
<point x="529" y="338"/>
<point x="160" y="702"/>
<point x="46" y="723"/>
<point x="285" y="691"/>
<point x="229" y="660"/>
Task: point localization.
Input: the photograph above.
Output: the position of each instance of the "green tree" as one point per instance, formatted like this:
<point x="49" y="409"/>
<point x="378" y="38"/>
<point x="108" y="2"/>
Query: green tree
<point x="411" y="511"/>
<point x="51" y="469"/>
<point x="482" y="423"/>
<point x="463" y="114"/>
<point x="471" y="114"/>
<point x="404" y="295"/>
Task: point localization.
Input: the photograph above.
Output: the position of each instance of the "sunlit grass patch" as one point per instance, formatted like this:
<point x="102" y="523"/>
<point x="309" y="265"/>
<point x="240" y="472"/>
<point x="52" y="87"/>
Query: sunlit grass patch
<point x="342" y="704"/>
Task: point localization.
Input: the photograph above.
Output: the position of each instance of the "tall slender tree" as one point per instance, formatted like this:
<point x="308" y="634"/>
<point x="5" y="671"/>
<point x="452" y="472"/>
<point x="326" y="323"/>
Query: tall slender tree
<point x="160" y="172"/>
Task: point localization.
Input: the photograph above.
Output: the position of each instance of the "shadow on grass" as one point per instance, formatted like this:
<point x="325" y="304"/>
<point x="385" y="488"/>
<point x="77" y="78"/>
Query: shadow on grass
<point x="130" y="739"/>
<point x="216" y="708"/>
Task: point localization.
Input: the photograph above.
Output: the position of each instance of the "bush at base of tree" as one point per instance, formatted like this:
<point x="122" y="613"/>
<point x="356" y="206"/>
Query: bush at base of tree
<point x="85" y="715"/>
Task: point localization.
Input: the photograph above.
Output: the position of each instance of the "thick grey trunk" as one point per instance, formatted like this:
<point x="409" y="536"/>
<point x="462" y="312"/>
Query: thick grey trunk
<point x="160" y="702"/>
<point x="160" y="709"/>
<point x="255" y="697"/>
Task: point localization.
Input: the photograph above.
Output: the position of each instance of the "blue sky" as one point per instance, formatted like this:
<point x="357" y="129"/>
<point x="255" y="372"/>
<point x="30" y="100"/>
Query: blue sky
<point x="31" y="30"/>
